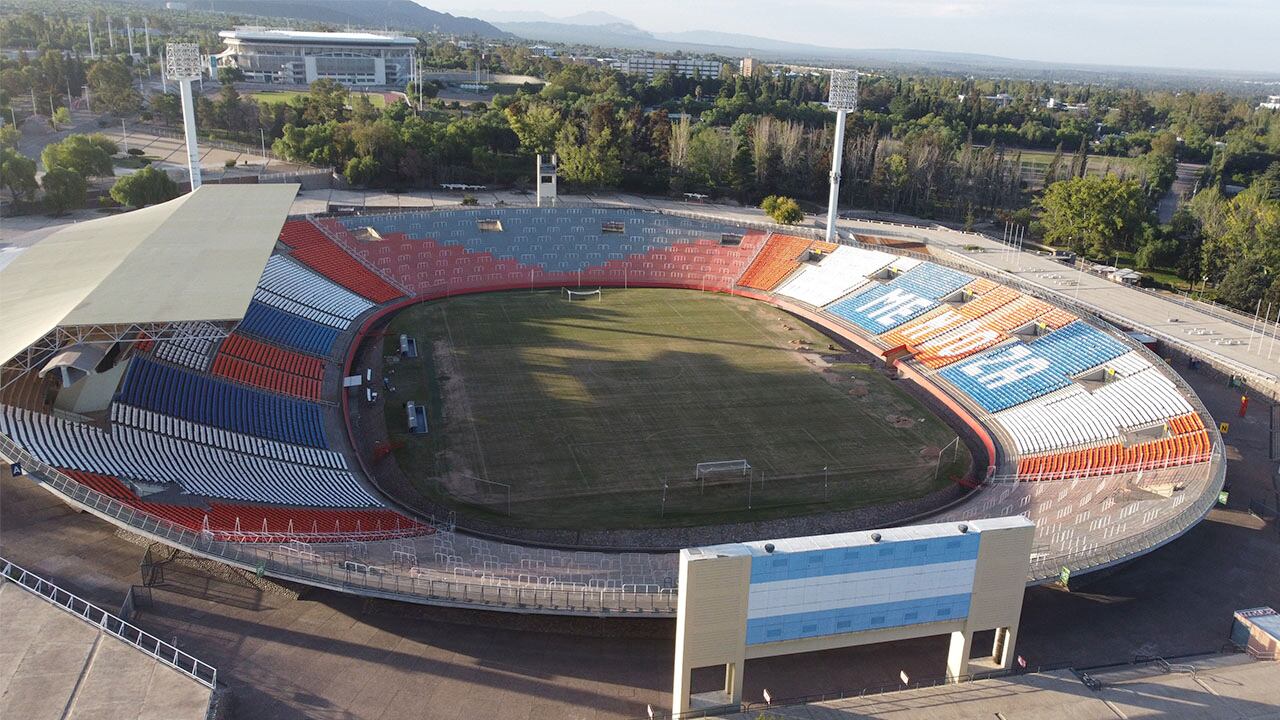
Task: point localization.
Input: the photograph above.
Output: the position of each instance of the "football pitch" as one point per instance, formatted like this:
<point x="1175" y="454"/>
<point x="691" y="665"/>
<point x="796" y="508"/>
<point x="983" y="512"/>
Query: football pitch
<point x="595" y="413"/>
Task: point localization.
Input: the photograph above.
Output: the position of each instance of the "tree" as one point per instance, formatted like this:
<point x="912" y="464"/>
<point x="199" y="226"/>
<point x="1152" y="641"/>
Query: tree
<point x="61" y="116"/>
<point x="147" y="186"/>
<point x="17" y="172"/>
<point x="783" y="210"/>
<point x="1093" y="215"/>
<point x="112" y="87"/>
<point x="742" y="172"/>
<point x="230" y="74"/>
<point x="535" y="125"/>
<point x="63" y="190"/>
<point x="85" y="155"/>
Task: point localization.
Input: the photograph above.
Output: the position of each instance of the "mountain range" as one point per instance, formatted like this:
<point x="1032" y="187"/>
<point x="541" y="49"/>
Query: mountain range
<point x="403" y="15"/>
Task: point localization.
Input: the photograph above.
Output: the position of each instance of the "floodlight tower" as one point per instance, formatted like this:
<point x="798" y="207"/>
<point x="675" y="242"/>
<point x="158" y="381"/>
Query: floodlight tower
<point x="182" y="65"/>
<point x="842" y="98"/>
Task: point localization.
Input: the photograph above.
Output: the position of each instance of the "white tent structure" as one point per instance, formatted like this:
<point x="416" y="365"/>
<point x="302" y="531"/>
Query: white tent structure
<point x="194" y="258"/>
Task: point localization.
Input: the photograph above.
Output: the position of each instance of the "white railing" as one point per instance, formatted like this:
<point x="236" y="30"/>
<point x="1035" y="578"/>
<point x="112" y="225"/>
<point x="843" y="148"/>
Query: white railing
<point x="200" y="671"/>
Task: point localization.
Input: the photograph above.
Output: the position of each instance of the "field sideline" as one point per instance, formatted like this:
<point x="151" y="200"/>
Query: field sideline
<point x="550" y="413"/>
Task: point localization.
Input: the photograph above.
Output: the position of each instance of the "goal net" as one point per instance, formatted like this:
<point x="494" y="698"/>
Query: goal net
<point x="575" y="295"/>
<point x="722" y="467"/>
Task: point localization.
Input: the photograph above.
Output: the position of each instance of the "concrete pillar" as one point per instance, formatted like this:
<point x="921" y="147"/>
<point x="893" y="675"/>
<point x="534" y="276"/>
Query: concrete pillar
<point x="958" y="655"/>
<point x="1002" y="649"/>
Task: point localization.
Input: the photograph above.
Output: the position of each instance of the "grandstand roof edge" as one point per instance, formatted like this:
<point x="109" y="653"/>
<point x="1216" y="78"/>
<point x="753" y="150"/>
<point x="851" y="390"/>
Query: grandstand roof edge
<point x="197" y="257"/>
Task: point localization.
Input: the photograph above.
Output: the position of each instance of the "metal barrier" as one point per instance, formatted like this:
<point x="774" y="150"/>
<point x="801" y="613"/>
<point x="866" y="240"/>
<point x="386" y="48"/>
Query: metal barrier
<point x="197" y="670"/>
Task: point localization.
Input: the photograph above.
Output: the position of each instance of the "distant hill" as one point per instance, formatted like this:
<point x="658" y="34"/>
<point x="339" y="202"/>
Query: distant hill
<point x="403" y="15"/>
<point x="624" y="36"/>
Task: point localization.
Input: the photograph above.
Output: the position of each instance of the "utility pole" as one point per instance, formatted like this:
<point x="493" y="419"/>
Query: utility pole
<point x="128" y="27"/>
<point x="146" y="34"/>
<point x="92" y="53"/>
<point x="111" y="36"/>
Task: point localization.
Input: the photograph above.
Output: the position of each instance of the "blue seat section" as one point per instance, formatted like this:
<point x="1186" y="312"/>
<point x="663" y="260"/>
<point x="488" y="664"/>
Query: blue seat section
<point x="171" y="390"/>
<point x="288" y="329"/>
<point x="913" y="293"/>
<point x="561" y="240"/>
<point x="1015" y="373"/>
<point x="932" y="281"/>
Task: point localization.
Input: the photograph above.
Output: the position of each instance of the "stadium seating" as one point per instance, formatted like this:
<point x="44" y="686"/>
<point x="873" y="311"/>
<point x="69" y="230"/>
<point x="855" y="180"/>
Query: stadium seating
<point x="944" y="319"/>
<point x="990" y="329"/>
<point x="1013" y="374"/>
<point x="845" y="270"/>
<point x="288" y="329"/>
<point x="192" y="351"/>
<point x="1136" y="396"/>
<point x="256" y="363"/>
<point x="907" y="296"/>
<point x="315" y="250"/>
<point x="290" y="287"/>
<point x="174" y="391"/>
<point x="200" y="469"/>
<point x="260" y="523"/>
<point x="780" y="255"/>
<point x="1186" y="442"/>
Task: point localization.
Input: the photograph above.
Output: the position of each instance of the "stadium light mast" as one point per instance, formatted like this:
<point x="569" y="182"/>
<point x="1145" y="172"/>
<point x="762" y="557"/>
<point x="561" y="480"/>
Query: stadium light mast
<point x="842" y="98"/>
<point x="182" y="65"/>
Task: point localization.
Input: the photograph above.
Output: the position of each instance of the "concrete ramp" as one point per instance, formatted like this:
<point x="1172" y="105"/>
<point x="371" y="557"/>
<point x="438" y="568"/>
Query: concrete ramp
<point x="55" y="665"/>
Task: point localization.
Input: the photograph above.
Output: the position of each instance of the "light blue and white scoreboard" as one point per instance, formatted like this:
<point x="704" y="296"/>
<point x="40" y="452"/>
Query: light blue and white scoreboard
<point x="765" y="598"/>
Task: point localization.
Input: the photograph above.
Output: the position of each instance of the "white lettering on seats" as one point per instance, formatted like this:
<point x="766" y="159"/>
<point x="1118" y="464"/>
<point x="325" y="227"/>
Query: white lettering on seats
<point x="919" y="330"/>
<point x="896" y="305"/>
<point x="1016" y="363"/>
<point x="964" y="343"/>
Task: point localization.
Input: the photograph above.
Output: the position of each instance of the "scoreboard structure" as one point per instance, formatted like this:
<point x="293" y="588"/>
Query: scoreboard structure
<point x="758" y="599"/>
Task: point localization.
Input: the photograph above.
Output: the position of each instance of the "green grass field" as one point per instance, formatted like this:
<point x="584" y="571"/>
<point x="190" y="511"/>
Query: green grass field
<point x="284" y="96"/>
<point x="550" y="413"/>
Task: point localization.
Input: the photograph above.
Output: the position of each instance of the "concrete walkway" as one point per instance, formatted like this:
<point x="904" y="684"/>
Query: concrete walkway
<point x="55" y="665"/>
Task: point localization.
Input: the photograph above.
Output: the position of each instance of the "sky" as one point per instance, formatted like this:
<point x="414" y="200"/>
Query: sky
<point x="1200" y="34"/>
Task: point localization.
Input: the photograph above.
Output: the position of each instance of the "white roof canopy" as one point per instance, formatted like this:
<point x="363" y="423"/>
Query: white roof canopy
<point x="198" y="257"/>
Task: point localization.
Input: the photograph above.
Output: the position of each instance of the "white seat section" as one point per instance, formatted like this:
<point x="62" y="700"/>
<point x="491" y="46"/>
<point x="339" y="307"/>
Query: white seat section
<point x="903" y="264"/>
<point x="192" y="352"/>
<point x="297" y="308"/>
<point x="1138" y="395"/>
<point x="133" y="453"/>
<point x="123" y="414"/>
<point x="289" y="280"/>
<point x="841" y="272"/>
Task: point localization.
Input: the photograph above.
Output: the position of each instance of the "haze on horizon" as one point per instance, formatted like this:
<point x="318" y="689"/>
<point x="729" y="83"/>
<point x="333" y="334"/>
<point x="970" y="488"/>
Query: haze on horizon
<point x="1197" y="34"/>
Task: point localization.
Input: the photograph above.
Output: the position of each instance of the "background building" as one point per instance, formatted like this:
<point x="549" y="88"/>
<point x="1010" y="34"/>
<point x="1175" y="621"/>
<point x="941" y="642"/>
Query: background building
<point x="292" y="57"/>
<point x="685" y="67"/>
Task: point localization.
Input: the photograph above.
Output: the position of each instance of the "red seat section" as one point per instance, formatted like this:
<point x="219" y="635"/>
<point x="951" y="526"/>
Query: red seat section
<point x="315" y="250"/>
<point x="264" y="523"/>
<point x="1187" y="442"/>
<point x="780" y="255"/>
<point x="256" y="363"/>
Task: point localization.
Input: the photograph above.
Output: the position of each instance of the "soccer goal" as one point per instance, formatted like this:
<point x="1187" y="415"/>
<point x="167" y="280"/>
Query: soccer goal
<point x="580" y="294"/>
<point x="722" y="467"/>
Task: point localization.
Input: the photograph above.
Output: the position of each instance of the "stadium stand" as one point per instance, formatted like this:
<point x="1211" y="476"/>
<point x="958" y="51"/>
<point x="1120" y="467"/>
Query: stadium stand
<point x="287" y="329"/>
<point x="260" y="523"/>
<point x="315" y="250"/>
<point x="1076" y="416"/>
<point x="1013" y="374"/>
<point x="1186" y="442"/>
<point x="779" y="257"/>
<point x="440" y="253"/>
<point x="181" y="393"/>
<point x="199" y="469"/>
<point x="256" y="363"/>
<point x="907" y="296"/>
<point x="192" y="351"/>
<point x="989" y="330"/>
<point x="844" y="271"/>
<point x="293" y="288"/>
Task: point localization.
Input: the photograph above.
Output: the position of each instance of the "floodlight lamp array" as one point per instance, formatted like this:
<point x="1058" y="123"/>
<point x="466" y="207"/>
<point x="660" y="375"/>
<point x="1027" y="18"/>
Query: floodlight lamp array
<point x="182" y="61"/>
<point x="844" y="90"/>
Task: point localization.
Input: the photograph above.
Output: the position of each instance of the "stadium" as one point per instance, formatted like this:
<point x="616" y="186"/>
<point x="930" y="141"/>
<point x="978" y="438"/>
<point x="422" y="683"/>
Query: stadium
<point x="532" y="410"/>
